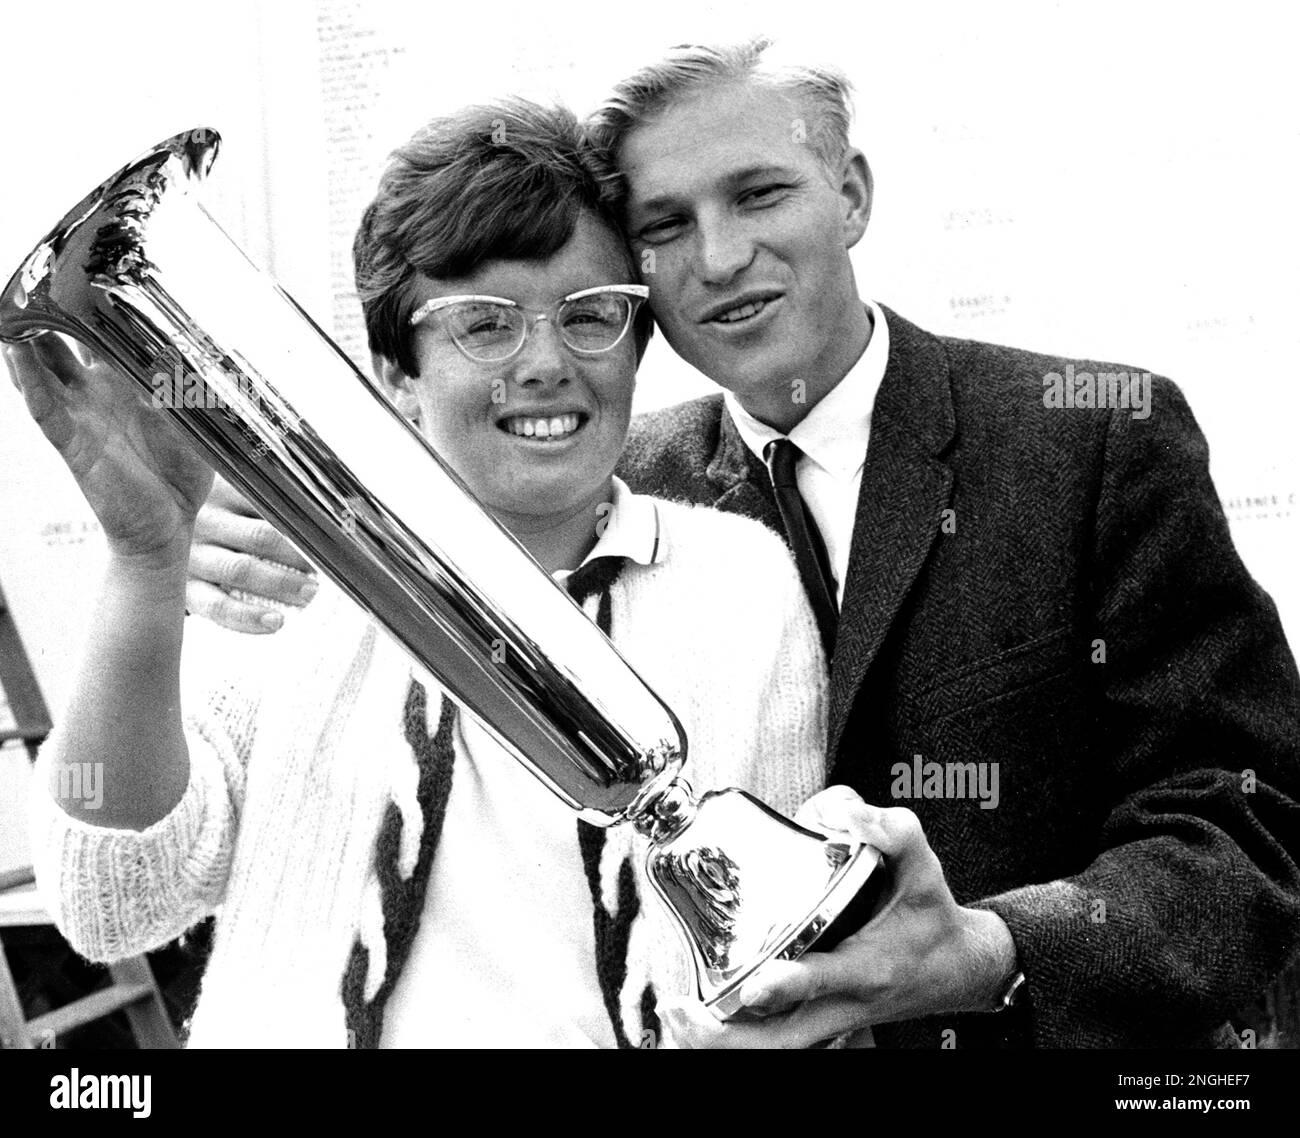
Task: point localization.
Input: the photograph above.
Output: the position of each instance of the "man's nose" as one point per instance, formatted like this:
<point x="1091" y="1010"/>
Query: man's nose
<point x="544" y="359"/>
<point x="724" y="249"/>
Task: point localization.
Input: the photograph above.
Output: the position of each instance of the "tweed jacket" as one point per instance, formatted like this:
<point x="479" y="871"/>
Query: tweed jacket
<point x="1054" y="590"/>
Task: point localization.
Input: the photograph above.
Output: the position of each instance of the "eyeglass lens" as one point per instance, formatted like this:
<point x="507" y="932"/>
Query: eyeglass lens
<point x="490" y="331"/>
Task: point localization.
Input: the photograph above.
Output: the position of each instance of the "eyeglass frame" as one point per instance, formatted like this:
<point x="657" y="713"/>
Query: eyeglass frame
<point x="636" y="294"/>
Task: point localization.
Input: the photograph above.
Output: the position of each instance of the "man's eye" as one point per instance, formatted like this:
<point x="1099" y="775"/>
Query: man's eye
<point x="761" y="195"/>
<point x="660" y="230"/>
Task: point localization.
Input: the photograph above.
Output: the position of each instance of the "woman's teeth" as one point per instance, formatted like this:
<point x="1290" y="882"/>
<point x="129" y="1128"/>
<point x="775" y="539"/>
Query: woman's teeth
<point x="556" y="427"/>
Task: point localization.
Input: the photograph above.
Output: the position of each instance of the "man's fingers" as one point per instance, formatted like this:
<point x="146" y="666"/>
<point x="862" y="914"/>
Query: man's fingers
<point x="228" y="569"/>
<point x="691" y="1026"/>
<point x="800" y="1003"/>
<point x="230" y="519"/>
<point x="781" y="984"/>
<point x="895" y="831"/>
<point x="225" y="497"/>
<point x="207" y="601"/>
<point x="245" y="535"/>
<point x="816" y="1021"/>
<point x="837" y="808"/>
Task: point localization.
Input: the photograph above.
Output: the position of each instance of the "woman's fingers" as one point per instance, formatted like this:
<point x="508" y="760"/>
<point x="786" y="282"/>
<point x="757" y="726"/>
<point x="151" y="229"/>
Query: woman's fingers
<point x="66" y="358"/>
<point x="42" y="390"/>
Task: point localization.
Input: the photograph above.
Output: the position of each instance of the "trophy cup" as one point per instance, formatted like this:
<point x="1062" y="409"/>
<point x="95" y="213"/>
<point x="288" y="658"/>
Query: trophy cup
<point x="140" y="273"/>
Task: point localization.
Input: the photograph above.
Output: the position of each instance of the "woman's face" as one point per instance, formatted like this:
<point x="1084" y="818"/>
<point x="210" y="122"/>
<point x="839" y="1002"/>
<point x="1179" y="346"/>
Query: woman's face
<point x="483" y="418"/>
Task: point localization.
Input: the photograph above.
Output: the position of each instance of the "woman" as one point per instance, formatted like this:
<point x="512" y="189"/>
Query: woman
<point x="384" y="875"/>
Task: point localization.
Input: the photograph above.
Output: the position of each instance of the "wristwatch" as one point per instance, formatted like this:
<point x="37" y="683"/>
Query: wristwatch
<point x="1010" y="996"/>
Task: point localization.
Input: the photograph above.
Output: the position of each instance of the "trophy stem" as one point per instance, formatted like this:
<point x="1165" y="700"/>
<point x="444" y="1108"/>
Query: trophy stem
<point x="663" y="816"/>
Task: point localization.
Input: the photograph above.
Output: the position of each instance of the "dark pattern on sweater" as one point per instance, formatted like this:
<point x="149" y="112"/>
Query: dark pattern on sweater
<point x="612" y="932"/>
<point x="403" y="901"/>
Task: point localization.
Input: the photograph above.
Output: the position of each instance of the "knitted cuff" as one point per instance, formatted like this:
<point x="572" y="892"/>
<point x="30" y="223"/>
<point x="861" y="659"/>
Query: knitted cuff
<point x="115" y="893"/>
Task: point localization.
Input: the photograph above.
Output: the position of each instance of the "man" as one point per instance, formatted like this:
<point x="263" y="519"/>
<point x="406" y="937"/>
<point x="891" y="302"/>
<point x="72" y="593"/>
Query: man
<point x="1072" y="711"/>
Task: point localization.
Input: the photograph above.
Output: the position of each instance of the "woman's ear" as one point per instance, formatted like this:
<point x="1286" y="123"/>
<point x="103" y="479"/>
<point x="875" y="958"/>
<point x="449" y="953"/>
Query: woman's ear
<point x="398" y="386"/>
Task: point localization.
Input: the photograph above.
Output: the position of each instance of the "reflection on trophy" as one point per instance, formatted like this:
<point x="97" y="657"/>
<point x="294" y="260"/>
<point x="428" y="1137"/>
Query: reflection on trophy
<point x="140" y="273"/>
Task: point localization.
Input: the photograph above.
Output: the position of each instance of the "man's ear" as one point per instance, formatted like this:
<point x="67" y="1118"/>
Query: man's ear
<point x="857" y="189"/>
<point x="397" y="385"/>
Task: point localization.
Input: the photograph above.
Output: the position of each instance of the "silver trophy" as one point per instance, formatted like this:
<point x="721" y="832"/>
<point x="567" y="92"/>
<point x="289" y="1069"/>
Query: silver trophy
<point x="140" y="273"/>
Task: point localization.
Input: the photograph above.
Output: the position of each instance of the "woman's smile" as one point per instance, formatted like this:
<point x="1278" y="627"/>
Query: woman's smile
<point x="546" y="429"/>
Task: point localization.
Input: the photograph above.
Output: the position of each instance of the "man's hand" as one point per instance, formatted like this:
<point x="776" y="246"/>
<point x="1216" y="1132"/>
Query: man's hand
<point x="921" y="954"/>
<point x="235" y="549"/>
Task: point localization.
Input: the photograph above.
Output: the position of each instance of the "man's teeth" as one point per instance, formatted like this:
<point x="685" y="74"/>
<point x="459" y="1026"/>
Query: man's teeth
<point x="554" y="428"/>
<point x="744" y="312"/>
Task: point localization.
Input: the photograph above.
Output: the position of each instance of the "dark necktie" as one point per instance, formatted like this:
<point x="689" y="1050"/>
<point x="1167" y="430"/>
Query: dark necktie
<point x="805" y="540"/>
<point x="596" y="578"/>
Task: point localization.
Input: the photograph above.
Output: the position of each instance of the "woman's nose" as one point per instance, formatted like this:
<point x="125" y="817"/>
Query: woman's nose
<point x="544" y="357"/>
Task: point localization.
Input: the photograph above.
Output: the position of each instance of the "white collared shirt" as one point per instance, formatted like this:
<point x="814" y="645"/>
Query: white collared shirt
<point x="630" y="528"/>
<point x="833" y="438"/>
<point x="505" y="952"/>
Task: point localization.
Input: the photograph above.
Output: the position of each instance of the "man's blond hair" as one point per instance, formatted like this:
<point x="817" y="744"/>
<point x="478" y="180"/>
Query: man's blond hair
<point x="822" y="92"/>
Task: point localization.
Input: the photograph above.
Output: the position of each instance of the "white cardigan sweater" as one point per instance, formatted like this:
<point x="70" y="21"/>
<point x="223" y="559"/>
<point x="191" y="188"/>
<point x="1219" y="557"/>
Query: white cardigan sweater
<point x="297" y="752"/>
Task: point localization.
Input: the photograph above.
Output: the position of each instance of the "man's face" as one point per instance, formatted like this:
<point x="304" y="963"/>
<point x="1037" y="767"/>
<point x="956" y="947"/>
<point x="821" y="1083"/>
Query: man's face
<point x="535" y="436"/>
<point x="750" y="278"/>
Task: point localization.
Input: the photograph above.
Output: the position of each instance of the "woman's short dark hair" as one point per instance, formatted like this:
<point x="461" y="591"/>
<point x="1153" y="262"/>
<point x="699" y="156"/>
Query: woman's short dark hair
<point x="505" y="180"/>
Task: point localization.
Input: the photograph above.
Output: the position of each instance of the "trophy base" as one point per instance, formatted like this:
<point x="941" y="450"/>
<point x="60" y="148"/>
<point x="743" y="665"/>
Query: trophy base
<point x="747" y="885"/>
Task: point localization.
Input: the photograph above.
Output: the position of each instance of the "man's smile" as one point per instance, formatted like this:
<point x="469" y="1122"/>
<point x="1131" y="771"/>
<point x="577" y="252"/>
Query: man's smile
<point x="742" y="312"/>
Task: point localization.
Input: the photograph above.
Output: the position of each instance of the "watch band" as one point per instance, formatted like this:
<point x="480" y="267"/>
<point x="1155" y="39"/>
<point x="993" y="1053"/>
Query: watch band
<point x="1011" y="993"/>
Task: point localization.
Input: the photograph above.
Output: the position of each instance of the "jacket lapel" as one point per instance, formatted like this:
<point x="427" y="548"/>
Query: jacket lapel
<point x="905" y="488"/>
<point x="739" y="479"/>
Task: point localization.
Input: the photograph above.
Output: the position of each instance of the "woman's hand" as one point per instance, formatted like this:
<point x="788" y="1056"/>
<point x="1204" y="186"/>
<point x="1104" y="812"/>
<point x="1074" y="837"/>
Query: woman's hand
<point x="145" y="484"/>
<point x="144" y="481"/>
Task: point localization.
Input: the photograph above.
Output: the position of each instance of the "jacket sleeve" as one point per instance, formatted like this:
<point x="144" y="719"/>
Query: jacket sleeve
<point x="115" y="893"/>
<point x="1192" y="901"/>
